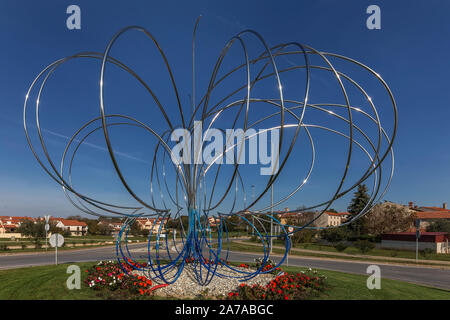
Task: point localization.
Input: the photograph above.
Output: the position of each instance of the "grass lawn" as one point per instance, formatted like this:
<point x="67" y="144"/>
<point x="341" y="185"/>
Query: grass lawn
<point x="375" y="252"/>
<point x="43" y="282"/>
<point x="324" y="252"/>
<point x="345" y="286"/>
<point x="49" y="283"/>
<point x="82" y="243"/>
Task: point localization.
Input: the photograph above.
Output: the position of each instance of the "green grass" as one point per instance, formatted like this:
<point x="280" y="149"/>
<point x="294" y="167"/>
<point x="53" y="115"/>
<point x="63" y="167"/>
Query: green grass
<point x="381" y="253"/>
<point x="253" y="248"/>
<point x="345" y="286"/>
<point x="375" y="252"/>
<point x="68" y="244"/>
<point x="46" y="283"/>
<point x="49" y="283"/>
<point x="64" y="248"/>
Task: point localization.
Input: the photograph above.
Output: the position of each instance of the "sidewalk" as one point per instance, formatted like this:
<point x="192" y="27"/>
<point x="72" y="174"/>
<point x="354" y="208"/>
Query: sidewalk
<point x="341" y="254"/>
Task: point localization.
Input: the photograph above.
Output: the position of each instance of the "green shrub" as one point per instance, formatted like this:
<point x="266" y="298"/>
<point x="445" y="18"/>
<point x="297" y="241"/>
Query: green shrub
<point x="37" y="244"/>
<point x="336" y="234"/>
<point x="4" y="247"/>
<point x="425" y="252"/>
<point x="303" y="236"/>
<point x="340" y="246"/>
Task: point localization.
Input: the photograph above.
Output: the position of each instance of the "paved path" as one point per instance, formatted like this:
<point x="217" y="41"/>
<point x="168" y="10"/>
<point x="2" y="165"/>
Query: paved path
<point x="434" y="276"/>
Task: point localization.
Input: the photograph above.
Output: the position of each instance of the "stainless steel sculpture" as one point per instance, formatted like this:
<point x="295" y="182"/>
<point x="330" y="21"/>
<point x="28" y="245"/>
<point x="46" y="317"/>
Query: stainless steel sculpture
<point x="196" y="185"/>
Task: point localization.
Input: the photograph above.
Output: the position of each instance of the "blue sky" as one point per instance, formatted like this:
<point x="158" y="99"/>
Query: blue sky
<point x="410" y="52"/>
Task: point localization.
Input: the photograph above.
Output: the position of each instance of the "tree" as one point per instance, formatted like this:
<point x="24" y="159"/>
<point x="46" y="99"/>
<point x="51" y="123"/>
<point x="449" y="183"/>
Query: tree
<point x="176" y="223"/>
<point x="93" y="227"/>
<point x="93" y="224"/>
<point x="388" y="217"/>
<point x="364" y="246"/>
<point x="233" y="223"/>
<point x="303" y="236"/>
<point x="361" y="198"/>
<point x="135" y="229"/>
<point x="336" y="234"/>
<point x="104" y="229"/>
<point x="36" y="230"/>
<point x="440" y="225"/>
<point x="28" y="228"/>
<point x="340" y="246"/>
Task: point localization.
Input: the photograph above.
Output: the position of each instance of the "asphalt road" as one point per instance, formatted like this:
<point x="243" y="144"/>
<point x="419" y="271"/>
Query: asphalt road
<point x="428" y="276"/>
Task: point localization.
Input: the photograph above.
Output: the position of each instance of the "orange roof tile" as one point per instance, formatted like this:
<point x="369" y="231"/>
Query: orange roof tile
<point x="70" y="223"/>
<point x="433" y="215"/>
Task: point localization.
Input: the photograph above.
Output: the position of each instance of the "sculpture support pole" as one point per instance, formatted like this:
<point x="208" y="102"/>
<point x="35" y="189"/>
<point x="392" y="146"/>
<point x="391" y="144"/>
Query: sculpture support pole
<point x="271" y="220"/>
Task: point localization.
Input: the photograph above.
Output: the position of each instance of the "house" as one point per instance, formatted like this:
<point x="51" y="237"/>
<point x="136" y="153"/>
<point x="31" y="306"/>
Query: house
<point x="153" y="225"/>
<point x="328" y="219"/>
<point x="344" y="216"/>
<point x="213" y="221"/>
<point x="9" y="224"/>
<point x="75" y="227"/>
<point x="436" y="241"/>
<point x="294" y="217"/>
<point x="116" y="226"/>
<point x="428" y="214"/>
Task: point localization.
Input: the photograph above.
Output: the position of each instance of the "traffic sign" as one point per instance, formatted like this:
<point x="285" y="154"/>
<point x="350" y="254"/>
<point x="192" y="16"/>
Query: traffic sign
<point x="56" y="240"/>
<point x="291" y="229"/>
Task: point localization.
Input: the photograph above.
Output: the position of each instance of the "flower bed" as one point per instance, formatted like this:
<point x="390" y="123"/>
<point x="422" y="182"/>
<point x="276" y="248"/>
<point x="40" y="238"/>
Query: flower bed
<point x="284" y="287"/>
<point x="111" y="277"/>
<point x="111" y="281"/>
<point x="269" y="266"/>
